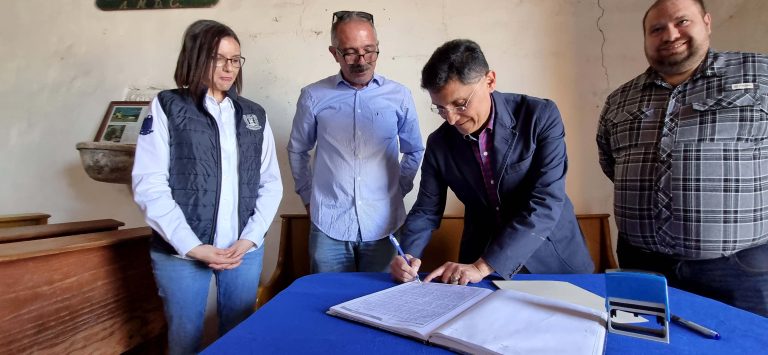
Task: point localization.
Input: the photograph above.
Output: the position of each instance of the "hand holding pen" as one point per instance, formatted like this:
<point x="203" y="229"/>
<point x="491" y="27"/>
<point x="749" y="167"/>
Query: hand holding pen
<point x="397" y="268"/>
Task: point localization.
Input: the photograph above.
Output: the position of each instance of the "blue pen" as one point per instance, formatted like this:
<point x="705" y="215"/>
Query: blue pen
<point x="400" y="251"/>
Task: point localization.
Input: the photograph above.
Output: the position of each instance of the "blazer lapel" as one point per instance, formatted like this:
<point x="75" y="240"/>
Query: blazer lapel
<point x="504" y="135"/>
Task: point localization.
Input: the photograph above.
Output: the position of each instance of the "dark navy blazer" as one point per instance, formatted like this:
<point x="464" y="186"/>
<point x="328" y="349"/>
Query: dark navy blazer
<point x="538" y="227"/>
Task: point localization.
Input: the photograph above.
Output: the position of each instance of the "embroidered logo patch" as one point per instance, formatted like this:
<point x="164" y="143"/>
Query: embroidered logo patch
<point x="251" y="122"/>
<point x="146" y="126"/>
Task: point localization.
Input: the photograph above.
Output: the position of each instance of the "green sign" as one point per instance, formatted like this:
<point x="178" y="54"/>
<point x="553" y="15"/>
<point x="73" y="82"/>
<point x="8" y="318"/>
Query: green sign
<point x="109" y="5"/>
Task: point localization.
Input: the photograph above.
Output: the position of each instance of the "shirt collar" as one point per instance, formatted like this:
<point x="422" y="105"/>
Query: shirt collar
<point x="712" y="65"/>
<point x="377" y="79"/>
<point x="227" y="102"/>
<point x="230" y="95"/>
<point x="488" y="126"/>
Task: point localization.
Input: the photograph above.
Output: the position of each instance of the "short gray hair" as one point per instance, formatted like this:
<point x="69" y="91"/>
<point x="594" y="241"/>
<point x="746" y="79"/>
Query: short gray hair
<point x="340" y="17"/>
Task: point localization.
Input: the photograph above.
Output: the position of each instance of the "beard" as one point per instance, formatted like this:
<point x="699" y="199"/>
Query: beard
<point x="677" y="62"/>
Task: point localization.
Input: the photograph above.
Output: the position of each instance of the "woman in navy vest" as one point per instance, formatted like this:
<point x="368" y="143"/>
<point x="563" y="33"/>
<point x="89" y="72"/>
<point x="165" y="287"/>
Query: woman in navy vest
<point x="207" y="180"/>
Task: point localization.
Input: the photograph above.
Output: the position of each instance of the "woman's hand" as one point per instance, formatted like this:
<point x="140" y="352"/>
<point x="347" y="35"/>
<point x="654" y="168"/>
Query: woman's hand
<point x="215" y="258"/>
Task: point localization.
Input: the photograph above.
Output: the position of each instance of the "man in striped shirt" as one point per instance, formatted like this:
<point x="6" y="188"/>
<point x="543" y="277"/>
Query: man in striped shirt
<point x="685" y="146"/>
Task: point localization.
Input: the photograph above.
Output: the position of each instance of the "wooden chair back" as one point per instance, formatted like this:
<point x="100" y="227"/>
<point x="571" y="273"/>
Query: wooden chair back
<point x="597" y="233"/>
<point x="444" y="244"/>
<point x="293" y="256"/>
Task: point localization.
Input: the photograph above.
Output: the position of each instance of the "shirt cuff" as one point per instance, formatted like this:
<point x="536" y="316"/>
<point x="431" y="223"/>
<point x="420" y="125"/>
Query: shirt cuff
<point x="257" y="242"/>
<point x="250" y="233"/>
<point x="306" y="197"/>
<point x="184" y="246"/>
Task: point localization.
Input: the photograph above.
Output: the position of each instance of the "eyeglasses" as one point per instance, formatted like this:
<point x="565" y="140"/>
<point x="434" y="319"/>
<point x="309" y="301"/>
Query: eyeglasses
<point x="444" y="111"/>
<point x="343" y="15"/>
<point x="352" y="57"/>
<point x="236" y="62"/>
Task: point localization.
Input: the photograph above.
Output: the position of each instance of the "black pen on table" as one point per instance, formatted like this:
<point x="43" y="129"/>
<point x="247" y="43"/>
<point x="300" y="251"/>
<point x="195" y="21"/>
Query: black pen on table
<point x="400" y="251"/>
<point x="709" y="333"/>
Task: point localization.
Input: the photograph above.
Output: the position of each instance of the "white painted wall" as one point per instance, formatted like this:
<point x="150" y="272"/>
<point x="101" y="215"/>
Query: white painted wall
<point x="63" y="61"/>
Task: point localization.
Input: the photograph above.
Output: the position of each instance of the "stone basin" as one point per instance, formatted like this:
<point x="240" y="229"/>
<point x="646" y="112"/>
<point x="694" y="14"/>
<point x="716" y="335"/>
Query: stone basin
<point x="107" y="161"/>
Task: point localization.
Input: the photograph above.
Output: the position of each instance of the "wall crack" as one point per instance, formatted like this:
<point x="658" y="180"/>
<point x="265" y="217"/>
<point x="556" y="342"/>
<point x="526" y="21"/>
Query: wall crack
<point x="602" y="45"/>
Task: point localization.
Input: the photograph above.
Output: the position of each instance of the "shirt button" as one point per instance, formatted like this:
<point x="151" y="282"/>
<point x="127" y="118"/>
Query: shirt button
<point x="485" y="153"/>
<point x="491" y="182"/>
<point x="497" y="208"/>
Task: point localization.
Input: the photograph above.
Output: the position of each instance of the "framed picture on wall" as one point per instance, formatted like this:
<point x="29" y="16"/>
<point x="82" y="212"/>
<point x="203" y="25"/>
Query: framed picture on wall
<point x="109" y="5"/>
<point x="122" y="122"/>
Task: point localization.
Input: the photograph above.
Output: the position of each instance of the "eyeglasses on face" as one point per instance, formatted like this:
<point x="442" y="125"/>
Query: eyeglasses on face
<point x="343" y="15"/>
<point x="236" y="61"/>
<point x="353" y="57"/>
<point x="444" y="111"/>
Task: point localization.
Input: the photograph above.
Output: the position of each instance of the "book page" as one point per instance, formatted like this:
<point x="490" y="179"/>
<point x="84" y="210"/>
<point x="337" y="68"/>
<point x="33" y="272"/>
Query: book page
<point x="511" y="322"/>
<point x="412" y="308"/>
<point x="558" y="290"/>
<point x="568" y="292"/>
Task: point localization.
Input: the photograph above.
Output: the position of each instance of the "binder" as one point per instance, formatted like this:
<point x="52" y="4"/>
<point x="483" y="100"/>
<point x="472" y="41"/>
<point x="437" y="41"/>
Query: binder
<point x="480" y="321"/>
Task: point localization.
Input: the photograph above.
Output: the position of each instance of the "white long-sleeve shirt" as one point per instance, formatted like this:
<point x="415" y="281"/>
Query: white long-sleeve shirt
<point x="153" y="194"/>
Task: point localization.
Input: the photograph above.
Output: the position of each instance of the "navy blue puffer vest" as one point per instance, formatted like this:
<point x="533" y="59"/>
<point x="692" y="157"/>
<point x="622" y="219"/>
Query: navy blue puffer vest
<point x="195" y="161"/>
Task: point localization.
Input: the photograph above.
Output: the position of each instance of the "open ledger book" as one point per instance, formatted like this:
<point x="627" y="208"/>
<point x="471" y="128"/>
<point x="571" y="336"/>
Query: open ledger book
<point x="480" y="321"/>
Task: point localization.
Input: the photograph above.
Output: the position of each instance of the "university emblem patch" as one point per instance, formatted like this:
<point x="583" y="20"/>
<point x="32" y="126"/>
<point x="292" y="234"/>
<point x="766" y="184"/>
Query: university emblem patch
<point x="146" y="126"/>
<point x="252" y="122"/>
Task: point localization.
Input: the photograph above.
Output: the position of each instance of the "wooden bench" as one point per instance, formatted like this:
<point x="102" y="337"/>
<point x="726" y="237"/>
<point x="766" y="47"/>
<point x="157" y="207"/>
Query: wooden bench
<point x="89" y="293"/>
<point x="23" y="219"/>
<point x="31" y="232"/>
<point x="293" y="257"/>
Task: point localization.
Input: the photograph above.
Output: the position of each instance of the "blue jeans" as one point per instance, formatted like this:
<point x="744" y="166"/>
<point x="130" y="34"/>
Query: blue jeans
<point x="330" y="255"/>
<point x="740" y="280"/>
<point x="183" y="286"/>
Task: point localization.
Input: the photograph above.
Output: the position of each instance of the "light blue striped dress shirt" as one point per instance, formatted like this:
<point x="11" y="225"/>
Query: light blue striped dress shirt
<point x="356" y="183"/>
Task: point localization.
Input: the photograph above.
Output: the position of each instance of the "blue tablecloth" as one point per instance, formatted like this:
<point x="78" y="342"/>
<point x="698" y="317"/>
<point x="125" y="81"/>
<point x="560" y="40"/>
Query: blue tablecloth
<point x="294" y="322"/>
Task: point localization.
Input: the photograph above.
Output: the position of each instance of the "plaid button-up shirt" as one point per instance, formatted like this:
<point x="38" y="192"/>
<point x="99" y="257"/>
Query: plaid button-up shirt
<point x="690" y="163"/>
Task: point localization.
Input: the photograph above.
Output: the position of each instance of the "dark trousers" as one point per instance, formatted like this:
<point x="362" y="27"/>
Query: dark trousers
<point x="740" y="280"/>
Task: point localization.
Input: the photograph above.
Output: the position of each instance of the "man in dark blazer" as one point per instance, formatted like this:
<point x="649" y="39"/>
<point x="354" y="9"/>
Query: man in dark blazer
<point x="505" y="159"/>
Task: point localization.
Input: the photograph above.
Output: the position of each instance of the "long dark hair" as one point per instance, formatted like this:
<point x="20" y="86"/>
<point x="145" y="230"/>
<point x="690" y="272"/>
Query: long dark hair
<point x="195" y="66"/>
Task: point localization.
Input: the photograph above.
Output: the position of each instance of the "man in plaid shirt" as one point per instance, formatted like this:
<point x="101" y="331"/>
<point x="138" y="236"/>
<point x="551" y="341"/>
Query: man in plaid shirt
<point x="685" y="146"/>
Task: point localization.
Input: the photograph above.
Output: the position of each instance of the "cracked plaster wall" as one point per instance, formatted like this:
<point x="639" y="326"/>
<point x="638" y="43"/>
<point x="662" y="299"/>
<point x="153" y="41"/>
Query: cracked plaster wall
<point x="63" y="62"/>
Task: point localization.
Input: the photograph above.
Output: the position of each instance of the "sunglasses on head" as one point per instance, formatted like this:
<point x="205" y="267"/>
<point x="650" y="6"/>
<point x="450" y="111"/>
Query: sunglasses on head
<point x="342" y="15"/>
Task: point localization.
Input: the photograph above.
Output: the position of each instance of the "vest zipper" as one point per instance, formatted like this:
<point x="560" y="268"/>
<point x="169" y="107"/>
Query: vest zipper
<point x="218" y="179"/>
<point x="238" y="113"/>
